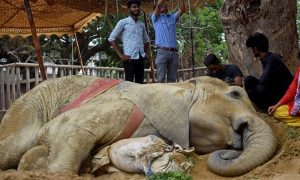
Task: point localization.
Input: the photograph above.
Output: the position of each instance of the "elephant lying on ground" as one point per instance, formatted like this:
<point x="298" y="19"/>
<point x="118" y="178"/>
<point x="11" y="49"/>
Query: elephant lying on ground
<point x="204" y="113"/>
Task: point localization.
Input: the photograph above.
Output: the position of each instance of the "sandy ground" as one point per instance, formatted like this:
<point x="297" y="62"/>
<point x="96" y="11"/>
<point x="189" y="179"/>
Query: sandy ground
<point x="285" y="165"/>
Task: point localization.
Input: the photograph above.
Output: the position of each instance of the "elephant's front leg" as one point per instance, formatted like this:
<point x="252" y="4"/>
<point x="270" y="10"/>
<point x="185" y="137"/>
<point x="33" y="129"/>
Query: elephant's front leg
<point x="68" y="153"/>
<point x="72" y="135"/>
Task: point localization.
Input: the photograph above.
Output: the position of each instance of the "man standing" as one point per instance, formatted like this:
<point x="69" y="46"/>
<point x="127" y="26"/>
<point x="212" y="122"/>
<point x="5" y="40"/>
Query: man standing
<point x="167" y="58"/>
<point x="229" y="73"/>
<point x="275" y="78"/>
<point x="135" y="43"/>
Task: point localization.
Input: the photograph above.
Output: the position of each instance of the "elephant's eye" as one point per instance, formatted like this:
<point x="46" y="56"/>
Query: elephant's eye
<point x="235" y="94"/>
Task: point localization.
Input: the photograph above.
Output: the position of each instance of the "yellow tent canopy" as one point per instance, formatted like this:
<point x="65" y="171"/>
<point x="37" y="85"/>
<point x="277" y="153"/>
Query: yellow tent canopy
<point x="48" y="18"/>
<point x="65" y="16"/>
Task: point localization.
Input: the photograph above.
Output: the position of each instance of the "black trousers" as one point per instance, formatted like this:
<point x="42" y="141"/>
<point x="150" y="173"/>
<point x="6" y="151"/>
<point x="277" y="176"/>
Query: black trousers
<point x="260" y="95"/>
<point x="134" y="70"/>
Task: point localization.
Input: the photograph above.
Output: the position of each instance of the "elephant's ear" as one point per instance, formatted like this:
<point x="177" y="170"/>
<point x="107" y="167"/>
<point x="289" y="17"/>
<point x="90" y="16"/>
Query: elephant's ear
<point x="165" y="106"/>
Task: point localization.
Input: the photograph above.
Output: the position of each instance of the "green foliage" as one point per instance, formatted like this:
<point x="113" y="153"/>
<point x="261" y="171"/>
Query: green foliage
<point x="208" y="38"/>
<point x="293" y="133"/>
<point x="170" y="176"/>
<point x="208" y="33"/>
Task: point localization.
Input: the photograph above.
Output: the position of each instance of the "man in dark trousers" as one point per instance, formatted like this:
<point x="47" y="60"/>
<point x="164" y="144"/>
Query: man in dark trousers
<point x="133" y="35"/>
<point x="275" y="78"/>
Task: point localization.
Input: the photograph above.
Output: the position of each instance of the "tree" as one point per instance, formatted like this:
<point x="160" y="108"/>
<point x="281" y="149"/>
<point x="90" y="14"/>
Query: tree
<point x="208" y="35"/>
<point x="275" y="18"/>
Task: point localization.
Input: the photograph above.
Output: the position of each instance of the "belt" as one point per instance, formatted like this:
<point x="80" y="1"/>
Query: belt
<point x="168" y="49"/>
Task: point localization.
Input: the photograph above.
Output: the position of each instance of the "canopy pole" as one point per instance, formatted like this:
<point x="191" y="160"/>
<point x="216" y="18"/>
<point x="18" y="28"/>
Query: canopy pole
<point x="192" y="38"/>
<point x="35" y="40"/>
<point x="150" y="50"/>
<point x="79" y="55"/>
<point x="117" y="5"/>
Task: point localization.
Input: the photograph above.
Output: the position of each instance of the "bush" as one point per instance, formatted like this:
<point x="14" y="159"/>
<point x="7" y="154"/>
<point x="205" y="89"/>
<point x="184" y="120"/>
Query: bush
<point x="170" y="176"/>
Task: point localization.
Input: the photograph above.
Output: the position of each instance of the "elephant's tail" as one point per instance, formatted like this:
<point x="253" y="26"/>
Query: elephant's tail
<point x="259" y="145"/>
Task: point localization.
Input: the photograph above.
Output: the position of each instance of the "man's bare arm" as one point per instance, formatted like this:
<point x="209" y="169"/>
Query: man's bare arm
<point x="181" y="9"/>
<point x="158" y="6"/>
<point x="238" y="81"/>
<point x="119" y="52"/>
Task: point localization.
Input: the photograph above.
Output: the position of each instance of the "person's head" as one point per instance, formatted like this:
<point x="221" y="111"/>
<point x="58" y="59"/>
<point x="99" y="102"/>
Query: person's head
<point x="212" y="63"/>
<point x="258" y="42"/>
<point x="134" y="7"/>
<point x="163" y="8"/>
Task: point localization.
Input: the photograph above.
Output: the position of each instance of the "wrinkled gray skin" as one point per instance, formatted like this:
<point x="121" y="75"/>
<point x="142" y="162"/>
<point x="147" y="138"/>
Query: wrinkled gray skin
<point x="204" y="113"/>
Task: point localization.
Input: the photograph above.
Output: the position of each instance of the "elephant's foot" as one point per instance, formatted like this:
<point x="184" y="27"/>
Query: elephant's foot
<point x="35" y="158"/>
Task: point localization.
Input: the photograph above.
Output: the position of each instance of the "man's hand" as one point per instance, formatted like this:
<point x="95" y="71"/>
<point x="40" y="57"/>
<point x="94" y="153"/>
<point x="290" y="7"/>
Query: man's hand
<point x="272" y="109"/>
<point x="159" y="2"/>
<point x="124" y="57"/>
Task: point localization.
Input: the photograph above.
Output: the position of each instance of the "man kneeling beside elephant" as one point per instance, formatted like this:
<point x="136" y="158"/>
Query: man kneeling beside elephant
<point x="203" y="113"/>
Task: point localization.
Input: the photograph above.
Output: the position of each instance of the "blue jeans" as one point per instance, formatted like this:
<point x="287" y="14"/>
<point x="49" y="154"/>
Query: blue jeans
<point x="167" y="63"/>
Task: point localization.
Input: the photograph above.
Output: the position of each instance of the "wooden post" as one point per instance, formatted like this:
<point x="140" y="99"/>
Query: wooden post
<point x="192" y="38"/>
<point x="79" y="55"/>
<point x="36" y="42"/>
<point x="150" y="55"/>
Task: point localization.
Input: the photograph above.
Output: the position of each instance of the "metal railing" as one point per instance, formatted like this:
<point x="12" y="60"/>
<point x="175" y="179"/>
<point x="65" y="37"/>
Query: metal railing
<point x="17" y="79"/>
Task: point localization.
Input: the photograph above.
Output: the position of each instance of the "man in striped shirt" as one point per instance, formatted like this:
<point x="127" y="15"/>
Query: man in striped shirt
<point x="135" y="40"/>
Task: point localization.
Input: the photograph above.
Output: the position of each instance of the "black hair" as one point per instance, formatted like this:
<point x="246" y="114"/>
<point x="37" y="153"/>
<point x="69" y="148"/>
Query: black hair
<point x="258" y="40"/>
<point x="211" y="59"/>
<point x="298" y="55"/>
<point x="130" y="2"/>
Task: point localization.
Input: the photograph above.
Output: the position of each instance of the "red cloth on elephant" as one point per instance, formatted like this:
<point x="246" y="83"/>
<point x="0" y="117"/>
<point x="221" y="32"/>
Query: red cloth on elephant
<point x="98" y="87"/>
<point x="290" y="94"/>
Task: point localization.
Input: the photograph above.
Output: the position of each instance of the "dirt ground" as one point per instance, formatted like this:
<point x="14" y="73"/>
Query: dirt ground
<point x="285" y="165"/>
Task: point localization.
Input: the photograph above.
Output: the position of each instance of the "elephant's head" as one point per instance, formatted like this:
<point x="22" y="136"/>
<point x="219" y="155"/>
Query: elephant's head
<point x="224" y="122"/>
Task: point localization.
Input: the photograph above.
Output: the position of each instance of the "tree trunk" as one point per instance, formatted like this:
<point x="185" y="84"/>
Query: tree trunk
<point x="275" y="18"/>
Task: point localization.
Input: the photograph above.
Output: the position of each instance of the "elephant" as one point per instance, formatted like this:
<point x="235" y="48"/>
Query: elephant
<point x="203" y="112"/>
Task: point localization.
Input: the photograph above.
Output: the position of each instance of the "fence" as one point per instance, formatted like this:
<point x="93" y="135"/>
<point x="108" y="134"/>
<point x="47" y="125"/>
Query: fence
<point x="17" y="79"/>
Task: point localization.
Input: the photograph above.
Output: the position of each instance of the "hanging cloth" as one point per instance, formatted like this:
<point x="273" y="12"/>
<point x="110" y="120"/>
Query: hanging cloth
<point x="296" y="106"/>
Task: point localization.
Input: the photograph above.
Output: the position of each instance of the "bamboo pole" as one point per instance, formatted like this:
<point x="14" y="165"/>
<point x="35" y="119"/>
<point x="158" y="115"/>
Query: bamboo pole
<point x="150" y="54"/>
<point x="36" y="42"/>
<point x="192" y="38"/>
<point x="79" y="55"/>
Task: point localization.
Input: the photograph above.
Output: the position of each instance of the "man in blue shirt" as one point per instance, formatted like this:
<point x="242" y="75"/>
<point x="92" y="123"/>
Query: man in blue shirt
<point x="167" y="58"/>
<point x="133" y="35"/>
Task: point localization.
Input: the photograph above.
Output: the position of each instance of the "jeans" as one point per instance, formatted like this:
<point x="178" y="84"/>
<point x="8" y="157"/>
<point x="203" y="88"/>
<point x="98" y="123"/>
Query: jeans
<point x="167" y="62"/>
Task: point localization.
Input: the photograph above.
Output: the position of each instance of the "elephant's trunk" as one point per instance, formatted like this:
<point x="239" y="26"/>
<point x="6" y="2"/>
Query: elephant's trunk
<point x="26" y="116"/>
<point x="259" y="145"/>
